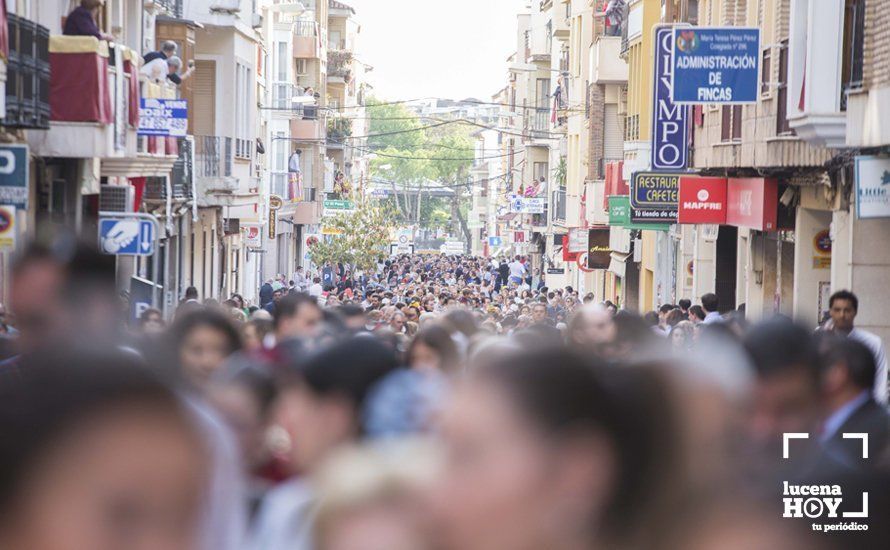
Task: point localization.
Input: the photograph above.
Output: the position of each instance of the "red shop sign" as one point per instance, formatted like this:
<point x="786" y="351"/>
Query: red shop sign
<point x="702" y="200"/>
<point x="752" y="203"/>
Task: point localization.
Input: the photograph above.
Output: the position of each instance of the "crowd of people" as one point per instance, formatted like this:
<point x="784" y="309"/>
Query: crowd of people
<point x="433" y="402"/>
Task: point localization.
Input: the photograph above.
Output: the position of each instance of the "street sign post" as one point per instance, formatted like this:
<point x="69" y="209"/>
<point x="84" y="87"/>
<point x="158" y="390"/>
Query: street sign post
<point x="132" y="234"/>
<point x="127" y="237"/>
<point x="14" y="175"/>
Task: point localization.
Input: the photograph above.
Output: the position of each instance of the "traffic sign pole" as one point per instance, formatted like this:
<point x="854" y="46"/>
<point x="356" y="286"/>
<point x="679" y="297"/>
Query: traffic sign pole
<point x="155" y="238"/>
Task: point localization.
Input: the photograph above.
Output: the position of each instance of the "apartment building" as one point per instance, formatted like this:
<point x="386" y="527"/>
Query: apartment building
<point x="70" y="121"/>
<point x="527" y="142"/>
<point x="313" y="120"/>
<point x="837" y="97"/>
<point x="605" y="110"/>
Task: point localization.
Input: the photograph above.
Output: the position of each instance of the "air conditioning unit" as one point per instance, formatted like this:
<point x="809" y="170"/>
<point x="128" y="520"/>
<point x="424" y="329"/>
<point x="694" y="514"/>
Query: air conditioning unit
<point x="116" y="198"/>
<point x="257" y="20"/>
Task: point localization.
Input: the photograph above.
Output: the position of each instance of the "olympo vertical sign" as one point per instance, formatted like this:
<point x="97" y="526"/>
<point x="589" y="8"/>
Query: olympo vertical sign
<point x="669" y="120"/>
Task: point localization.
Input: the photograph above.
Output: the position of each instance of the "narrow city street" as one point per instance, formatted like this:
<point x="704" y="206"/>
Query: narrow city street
<point x="482" y="275"/>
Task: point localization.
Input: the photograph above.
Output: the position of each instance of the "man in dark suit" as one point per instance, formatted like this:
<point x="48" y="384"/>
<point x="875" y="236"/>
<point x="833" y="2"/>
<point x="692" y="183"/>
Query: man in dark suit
<point x="847" y="382"/>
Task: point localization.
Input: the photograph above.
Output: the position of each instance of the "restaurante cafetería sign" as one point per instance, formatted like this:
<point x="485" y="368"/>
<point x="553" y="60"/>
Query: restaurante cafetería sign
<point x="654" y="197"/>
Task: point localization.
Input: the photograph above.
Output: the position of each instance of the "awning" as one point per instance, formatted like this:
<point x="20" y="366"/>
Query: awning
<point x="618" y="264"/>
<point x="139" y="166"/>
<point x="507" y="217"/>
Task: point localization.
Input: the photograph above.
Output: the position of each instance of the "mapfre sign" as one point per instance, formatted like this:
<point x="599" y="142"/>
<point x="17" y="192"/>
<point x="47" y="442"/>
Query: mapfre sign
<point x="702" y="200"/>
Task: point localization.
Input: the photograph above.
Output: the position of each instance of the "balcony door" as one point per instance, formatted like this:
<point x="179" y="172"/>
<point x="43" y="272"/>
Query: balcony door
<point x="204" y="106"/>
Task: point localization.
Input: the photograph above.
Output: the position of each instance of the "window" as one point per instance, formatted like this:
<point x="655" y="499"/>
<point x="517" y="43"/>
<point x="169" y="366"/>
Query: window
<point x="854" y="45"/>
<point x="540" y="171"/>
<point x="783" y="128"/>
<point x="731" y="123"/>
<point x="243" y="100"/>
<point x="281" y="62"/>
<point x="736" y="122"/>
<point x="334" y="41"/>
<point x="302" y="67"/>
<point x="280" y="151"/>
<point x="765" y="74"/>
<point x="549" y="44"/>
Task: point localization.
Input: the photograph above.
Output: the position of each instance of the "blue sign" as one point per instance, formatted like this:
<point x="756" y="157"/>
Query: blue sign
<point x="716" y="65"/>
<point x="127" y="236"/>
<point x="14" y="176"/>
<point x="163" y="117"/>
<point x="141" y="297"/>
<point x="495" y="241"/>
<point x="670" y="143"/>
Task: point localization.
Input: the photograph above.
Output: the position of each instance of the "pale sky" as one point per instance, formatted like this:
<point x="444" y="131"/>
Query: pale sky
<point x="436" y="48"/>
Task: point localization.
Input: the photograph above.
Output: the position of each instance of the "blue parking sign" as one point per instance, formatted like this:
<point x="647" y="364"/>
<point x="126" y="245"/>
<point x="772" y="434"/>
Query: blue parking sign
<point x="716" y="65"/>
<point x="127" y="236"/>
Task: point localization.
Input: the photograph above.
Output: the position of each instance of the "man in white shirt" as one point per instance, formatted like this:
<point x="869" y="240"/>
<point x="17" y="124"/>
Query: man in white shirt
<point x="301" y="281"/>
<point x="517" y="271"/>
<point x="711" y="305"/>
<point x="315" y="289"/>
<point x="843" y="307"/>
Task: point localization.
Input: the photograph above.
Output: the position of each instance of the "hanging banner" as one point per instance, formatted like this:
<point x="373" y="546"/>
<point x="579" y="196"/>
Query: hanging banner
<point x="163" y="117"/>
<point x="599" y="253"/>
<point x="702" y="200"/>
<point x="670" y="146"/>
<point x="716" y="65"/>
<point x="275" y="204"/>
<point x="523" y="205"/>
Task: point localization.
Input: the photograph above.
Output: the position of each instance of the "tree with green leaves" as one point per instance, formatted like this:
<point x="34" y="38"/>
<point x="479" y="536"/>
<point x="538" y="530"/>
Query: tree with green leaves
<point x="411" y="152"/>
<point x="363" y="236"/>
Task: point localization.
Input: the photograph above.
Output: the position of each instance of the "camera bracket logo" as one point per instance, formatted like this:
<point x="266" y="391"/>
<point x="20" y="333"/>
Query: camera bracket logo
<point x="821" y="501"/>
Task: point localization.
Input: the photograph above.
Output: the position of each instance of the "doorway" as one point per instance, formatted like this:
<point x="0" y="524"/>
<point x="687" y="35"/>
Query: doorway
<point x="727" y="258"/>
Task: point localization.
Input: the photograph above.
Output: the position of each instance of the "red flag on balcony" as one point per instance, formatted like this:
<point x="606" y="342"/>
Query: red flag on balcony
<point x="139" y="190"/>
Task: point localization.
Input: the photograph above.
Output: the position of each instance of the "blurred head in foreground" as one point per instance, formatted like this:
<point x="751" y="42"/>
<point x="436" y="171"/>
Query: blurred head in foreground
<point x="96" y="454"/>
<point x="547" y="449"/>
<point x="322" y="398"/>
<point x="371" y="498"/>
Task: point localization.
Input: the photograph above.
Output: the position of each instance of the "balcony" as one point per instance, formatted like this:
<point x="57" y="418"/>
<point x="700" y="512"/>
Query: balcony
<point x="595" y="198"/>
<point x="307" y="128"/>
<point x="306" y="42"/>
<point x="280" y="185"/>
<point x="815" y="68"/>
<point x="339" y="66"/>
<point x="93" y="99"/>
<point x="173" y="8"/>
<point x="558" y="206"/>
<point x="606" y="64"/>
<point x="214" y="159"/>
<point x="538" y="125"/>
<point x="339" y="129"/>
<point x="27" y="75"/>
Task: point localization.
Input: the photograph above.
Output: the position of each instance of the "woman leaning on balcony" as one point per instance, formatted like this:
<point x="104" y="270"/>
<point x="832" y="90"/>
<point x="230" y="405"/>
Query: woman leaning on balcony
<point x="82" y="20"/>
